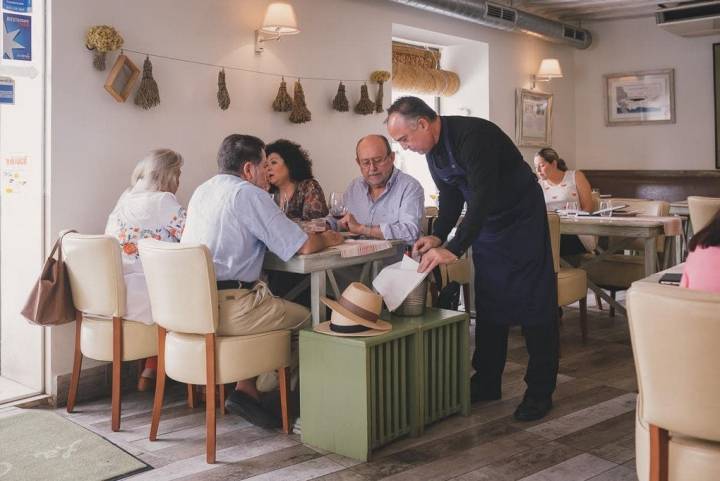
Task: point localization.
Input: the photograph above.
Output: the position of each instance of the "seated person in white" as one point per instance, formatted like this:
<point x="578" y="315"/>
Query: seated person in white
<point x="148" y="208"/>
<point x="235" y="217"/>
<point x="561" y="186"/>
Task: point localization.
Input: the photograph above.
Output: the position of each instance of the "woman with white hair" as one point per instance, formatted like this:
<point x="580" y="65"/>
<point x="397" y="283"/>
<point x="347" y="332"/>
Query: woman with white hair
<point x="147" y="209"/>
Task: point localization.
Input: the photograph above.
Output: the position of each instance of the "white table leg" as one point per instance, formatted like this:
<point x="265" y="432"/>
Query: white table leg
<point x="317" y="289"/>
<point x="650" y="256"/>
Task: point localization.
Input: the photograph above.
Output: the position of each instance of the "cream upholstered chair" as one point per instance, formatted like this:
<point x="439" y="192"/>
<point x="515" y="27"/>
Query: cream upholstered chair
<point x="674" y="333"/>
<point x="702" y="210"/>
<point x="571" y="282"/>
<point x="618" y="271"/>
<point x="98" y="288"/>
<point x="184" y="301"/>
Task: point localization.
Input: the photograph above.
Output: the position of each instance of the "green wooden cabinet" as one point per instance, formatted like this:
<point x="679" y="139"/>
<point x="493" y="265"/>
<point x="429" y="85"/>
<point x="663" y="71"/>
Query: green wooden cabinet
<point x="360" y="393"/>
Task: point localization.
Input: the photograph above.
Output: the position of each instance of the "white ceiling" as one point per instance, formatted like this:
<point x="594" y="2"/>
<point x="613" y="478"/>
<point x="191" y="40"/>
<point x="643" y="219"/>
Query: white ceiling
<point x="574" y="10"/>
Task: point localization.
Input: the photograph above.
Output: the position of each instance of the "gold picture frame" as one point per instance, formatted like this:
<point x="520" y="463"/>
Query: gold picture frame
<point x="533" y="118"/>
<point x="121" y="78"/>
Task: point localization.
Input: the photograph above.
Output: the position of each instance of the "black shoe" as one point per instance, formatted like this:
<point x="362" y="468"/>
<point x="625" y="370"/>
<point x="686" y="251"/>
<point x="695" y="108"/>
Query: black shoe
<point x="532" y="409"/>
<point x="243" y="405"/>
<point x="479" y="393"/>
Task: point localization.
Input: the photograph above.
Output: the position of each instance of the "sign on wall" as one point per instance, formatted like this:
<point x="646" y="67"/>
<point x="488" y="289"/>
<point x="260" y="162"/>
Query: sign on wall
<point x="22" y="6"/>
<point x="17" y="37"/>
<point x="7" y="90"/>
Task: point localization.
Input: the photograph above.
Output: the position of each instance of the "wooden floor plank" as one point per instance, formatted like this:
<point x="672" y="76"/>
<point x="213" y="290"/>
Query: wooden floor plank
<point x="580" y="468"/>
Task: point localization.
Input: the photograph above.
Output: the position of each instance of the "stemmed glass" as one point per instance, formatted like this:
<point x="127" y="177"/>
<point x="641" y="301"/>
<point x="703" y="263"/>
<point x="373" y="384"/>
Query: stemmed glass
<point x="337" y="205"/>
<point x="572" y="209"/>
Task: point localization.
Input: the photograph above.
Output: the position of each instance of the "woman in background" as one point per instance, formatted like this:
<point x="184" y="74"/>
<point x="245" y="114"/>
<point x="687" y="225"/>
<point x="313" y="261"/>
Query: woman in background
<point x="290" y="176"/>
<point x="147" y="209"/>
<point x="560" y="186"/>
<point x="702" y="267"/>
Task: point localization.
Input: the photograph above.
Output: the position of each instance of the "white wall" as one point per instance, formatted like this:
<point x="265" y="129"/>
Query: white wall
<point x="95" y="141"/>
<point x="21" y="134"/>
<point x="638" y="44"/>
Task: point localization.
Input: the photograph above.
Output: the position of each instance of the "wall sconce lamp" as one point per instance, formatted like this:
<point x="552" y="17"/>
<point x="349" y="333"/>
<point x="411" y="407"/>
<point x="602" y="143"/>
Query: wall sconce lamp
<point x="549" y="69"/>
<point x="279" y="21"/>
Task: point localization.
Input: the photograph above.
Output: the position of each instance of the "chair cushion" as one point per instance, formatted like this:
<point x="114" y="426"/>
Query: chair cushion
<point x="616" y="271"/>
<point x="690" y="458"/>
<point x="96" y="339"/>
<point x="572" y="285"/>
<point x="237" y="357"/>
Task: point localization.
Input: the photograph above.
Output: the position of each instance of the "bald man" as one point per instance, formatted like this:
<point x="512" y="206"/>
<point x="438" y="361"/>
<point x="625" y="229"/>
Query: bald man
<point x="383" y="203"/>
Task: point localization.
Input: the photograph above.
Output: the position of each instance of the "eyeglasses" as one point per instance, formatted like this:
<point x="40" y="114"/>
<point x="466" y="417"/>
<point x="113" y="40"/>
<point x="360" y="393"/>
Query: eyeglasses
<point x="376" y="162"/>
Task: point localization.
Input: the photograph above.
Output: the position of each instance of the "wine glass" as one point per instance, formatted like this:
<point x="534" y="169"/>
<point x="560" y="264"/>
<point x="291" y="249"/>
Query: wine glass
<point x="337" y="205"/>
<point x="571" y="207"/>
<point x="606" y="204"/>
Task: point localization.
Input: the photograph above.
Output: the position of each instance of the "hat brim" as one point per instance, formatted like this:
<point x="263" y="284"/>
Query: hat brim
<point x="336" y="306"/>
<point x="324" y="328"/>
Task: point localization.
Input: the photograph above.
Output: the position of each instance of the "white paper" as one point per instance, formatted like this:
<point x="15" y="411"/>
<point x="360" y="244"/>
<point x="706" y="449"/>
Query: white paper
<point x="396" y="281"/>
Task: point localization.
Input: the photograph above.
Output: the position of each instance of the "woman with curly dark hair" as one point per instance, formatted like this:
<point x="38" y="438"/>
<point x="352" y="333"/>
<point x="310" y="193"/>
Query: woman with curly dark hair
<point x="290" y="175"/>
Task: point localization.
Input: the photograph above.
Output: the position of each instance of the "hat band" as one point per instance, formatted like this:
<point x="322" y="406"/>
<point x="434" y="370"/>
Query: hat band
<point x="357" y="310"/>
<point x="348" y="329"/>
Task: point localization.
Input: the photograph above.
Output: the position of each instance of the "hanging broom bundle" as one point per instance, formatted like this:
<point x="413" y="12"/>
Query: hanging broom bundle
<point x="300" y="112"/>
<point x="340" y="102"/>
<point x="379" y="76"/>
<point x="283" y="102"/>
<point x="365" y="106"/>
<point x="223" y="96"/>
<point x="147" y="95"/>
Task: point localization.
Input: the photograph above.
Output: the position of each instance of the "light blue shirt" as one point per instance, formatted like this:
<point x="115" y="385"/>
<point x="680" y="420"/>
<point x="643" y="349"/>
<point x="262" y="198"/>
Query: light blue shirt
<point x="239" y="222"/>
<point x="397" y="211"/>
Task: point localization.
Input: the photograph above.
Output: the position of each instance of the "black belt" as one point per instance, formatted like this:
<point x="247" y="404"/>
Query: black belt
<point x="224" y="285"/>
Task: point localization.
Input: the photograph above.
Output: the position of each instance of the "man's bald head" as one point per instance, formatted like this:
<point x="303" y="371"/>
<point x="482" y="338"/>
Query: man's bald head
<point x="375" y="158"/>
<point x="373" y="138"/>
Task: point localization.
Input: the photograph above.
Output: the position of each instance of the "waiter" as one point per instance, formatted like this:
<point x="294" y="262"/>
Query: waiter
<point x="472" y="161"/>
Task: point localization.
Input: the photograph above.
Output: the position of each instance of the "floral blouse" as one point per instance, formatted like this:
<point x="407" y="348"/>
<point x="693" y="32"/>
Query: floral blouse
<point x="308" y="201"/>
<point x="141" y="215"/>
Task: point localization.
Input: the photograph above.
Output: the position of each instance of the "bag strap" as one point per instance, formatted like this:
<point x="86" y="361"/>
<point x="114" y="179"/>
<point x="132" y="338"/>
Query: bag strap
<point x="58" y="244"/>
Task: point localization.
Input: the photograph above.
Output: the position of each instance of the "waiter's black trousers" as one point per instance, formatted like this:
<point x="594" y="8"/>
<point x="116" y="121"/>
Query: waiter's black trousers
<point x="491" y="352"/>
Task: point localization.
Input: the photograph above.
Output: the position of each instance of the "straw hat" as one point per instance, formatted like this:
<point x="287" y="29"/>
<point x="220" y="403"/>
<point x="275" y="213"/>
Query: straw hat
<point x="356" y="313"/>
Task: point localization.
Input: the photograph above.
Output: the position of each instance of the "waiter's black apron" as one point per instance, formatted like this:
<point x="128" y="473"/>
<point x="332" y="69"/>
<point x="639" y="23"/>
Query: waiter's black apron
<point x="514" y="276"/>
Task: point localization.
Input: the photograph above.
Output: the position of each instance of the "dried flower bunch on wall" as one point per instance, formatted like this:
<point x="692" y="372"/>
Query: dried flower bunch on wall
<point x="300" y="113"/>
<point x="223" y="96"/>
<point x="379" y="76"/>
<point x="365" y="106"/>
<point x="102" y="39"/>
<point x="147" y="95"/>
<point x="340" y="102"/>
<point x="417" y="69"/>
<point x="283" y="102"/>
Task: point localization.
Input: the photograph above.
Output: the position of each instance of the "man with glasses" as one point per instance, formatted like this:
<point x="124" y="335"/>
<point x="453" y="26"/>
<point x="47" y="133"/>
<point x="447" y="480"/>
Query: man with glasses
<point x="384" y="203"/>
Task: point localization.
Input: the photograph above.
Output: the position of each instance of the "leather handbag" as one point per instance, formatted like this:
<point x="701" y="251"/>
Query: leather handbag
<point x="50" y="301"/>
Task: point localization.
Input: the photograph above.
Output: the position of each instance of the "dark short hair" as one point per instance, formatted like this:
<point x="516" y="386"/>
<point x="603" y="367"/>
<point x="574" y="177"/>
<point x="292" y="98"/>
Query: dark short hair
<point x="708" y="236"/>
<point x="236" y="150"/>
<point x="411" y="108"/>
<point x="388" y="149"/>
<point x="296" y="159"/>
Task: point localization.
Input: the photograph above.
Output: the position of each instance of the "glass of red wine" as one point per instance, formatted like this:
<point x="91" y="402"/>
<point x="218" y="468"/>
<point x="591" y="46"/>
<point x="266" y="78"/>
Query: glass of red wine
<point x="337" y="205"/>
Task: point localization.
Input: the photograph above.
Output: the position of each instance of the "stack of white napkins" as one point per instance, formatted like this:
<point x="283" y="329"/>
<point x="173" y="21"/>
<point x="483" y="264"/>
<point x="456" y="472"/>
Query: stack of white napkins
<point x="397" y="280"/>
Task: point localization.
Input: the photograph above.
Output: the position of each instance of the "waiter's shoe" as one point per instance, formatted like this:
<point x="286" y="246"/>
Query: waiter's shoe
<point x="532" y="409"/>
<point x="479" y="393"/>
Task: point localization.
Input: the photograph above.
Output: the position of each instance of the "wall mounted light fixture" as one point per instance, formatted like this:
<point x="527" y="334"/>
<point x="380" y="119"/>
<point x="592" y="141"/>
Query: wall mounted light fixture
<point x="549" y="69"/>
<point x="279" y="21"/>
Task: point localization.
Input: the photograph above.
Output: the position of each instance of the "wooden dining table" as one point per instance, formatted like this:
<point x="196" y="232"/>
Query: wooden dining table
<point x="630" y="228"/>
<point x="321" y="265"/>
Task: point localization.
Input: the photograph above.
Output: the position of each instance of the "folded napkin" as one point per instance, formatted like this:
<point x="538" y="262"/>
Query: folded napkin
<point x="397" y="280"/>
<point x="359" y="247"/>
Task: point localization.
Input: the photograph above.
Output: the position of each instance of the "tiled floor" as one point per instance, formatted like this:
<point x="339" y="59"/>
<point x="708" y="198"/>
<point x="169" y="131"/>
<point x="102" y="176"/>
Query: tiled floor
<point x="589" y="435"/>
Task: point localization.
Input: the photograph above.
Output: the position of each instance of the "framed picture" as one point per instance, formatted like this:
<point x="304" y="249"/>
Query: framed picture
<point x="533" y="118"/>
<point x="640" y="98"/>
<point x="716" y="83"/>
<point x="121" y="78"/>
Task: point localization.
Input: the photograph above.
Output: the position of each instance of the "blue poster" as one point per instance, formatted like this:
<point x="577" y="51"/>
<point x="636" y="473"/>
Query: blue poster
<point x="23" y="6"/>
<point x="7" y="90"/>
<point x="17" y="37"/>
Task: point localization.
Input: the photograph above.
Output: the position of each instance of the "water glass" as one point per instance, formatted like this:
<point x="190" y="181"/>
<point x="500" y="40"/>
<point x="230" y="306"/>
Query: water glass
<point x="571" y="208"/>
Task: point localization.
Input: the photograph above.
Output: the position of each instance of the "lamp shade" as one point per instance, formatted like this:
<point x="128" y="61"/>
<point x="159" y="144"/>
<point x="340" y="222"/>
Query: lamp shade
<point x="280" y="20"/>
<point x="549" y="68"/>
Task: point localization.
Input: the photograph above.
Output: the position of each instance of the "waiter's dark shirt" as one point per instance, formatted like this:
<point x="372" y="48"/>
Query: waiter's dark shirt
<point x="490" y="161"/>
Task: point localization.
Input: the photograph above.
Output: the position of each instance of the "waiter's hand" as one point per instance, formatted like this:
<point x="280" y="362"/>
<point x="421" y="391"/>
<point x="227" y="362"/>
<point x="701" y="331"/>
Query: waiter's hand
<point x="425" y="243"/>
<point x="435" y="257"/>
